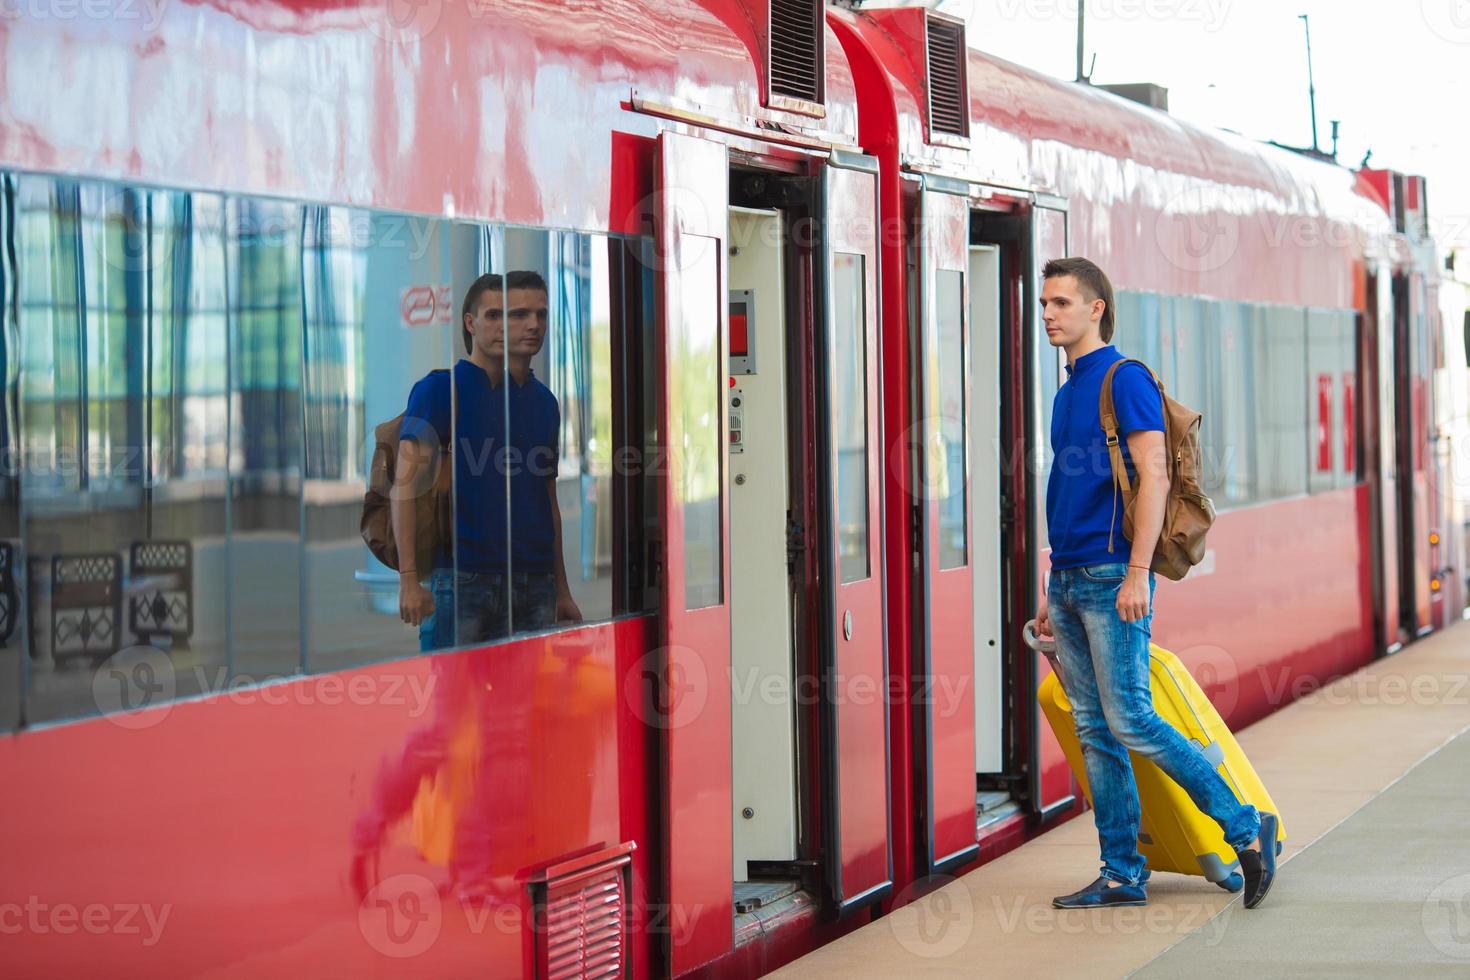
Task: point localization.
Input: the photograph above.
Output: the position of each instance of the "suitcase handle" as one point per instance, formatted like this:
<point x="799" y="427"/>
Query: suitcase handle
<point x="1047" y="648"/>
<point x="1035" y="642"/>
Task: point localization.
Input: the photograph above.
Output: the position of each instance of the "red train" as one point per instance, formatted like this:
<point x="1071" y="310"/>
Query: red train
<point x="791" y="256"/>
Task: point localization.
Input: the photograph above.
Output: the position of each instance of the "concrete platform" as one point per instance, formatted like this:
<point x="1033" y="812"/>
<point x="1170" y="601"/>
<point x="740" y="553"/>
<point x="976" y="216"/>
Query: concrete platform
<point x="1372" y="775"/>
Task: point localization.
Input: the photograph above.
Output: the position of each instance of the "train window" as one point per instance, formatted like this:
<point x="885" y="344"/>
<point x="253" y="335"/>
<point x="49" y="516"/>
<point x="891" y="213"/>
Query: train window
<point x="559" y="323"/>
<point x="124" y="424"/>
<point x="199" y="380"/>
<point x="850" y="393"/>
<point x="1281" y="423"/>
<point x="264" y="561"/>
<point x="1229" y="434"/>
<point x="948" y="361"/>
<point x="1149" y="331"/>
<point x="1190" y="337"/>
<point x="10" y="655"/>
<point x="381" y="317"/>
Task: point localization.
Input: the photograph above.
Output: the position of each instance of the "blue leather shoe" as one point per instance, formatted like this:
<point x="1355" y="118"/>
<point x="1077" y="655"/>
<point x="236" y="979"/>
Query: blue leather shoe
<point x="1258" y="867"/>
<point x="1103" y="893"/>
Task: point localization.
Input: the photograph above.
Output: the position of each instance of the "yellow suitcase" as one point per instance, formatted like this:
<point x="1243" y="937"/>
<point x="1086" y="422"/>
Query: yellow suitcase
<point x="1175" y="835"/>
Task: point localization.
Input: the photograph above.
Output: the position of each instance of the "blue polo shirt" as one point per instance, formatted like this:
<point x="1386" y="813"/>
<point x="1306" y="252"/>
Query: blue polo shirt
<point x="487" y="466"/>
<point x="1079" y="492"/>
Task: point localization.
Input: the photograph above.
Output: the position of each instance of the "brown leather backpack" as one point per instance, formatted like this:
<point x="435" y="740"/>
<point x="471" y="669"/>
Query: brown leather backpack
<point x="433" y="517"/>
<point x="1189" y="512"/>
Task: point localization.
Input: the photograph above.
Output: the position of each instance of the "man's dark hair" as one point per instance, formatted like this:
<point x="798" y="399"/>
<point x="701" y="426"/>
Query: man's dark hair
<point x="1094" y="282"/>
<point x="493" y="282"/>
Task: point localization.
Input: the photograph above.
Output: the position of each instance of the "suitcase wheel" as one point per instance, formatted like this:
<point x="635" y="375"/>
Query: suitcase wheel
<point x="1232" y="884"/>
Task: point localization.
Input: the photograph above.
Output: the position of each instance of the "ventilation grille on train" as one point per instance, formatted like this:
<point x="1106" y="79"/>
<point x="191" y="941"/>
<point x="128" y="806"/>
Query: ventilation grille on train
<point x="947" y="103"/>
<point x="796" y="32"/>
<point x="582" y="917"/>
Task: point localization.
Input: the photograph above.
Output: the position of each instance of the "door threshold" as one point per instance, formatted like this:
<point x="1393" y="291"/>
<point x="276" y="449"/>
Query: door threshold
<point x="759" y="893"/>
<point x="993" y="806"/>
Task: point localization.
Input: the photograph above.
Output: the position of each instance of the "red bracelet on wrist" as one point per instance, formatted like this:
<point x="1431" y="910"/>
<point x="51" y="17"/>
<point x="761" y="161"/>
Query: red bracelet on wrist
<point x="1144" y="567"/>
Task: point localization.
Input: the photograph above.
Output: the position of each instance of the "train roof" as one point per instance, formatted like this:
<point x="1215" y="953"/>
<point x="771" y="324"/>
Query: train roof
<point x="508" y="110"/>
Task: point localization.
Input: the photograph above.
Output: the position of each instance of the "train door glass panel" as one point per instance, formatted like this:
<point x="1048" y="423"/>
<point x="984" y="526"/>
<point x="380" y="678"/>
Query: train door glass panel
<point x="850" y="427"/>
<point x="949" y="300"/>
<point x="854" y="645"/>
<point x="762" y="652"/>
<point x="1346" y="427"/>
<point x="1421" y="505"/>
<point x="1051" y="779"/>
<point x="692" y="691"/>
<point x="1048" y="372"/>
<point x="1324" y="394"/>
<point x="986" y="475"/>
<point x="697" y="400"/>
<point x="945" y="617"/>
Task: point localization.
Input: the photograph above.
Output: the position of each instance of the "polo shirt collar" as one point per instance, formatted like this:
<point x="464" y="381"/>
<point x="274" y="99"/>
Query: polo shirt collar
<point x="515" y="386"/>
<point x="1103" y="355"/>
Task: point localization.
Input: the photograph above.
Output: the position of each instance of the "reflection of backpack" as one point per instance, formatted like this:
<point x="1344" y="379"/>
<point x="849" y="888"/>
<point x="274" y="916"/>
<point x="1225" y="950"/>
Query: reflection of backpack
<point x="431" y="495"/>
<point x="1188" y="513"/>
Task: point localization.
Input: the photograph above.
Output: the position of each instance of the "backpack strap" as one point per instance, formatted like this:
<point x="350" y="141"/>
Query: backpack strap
<point x="1108" y="415"/>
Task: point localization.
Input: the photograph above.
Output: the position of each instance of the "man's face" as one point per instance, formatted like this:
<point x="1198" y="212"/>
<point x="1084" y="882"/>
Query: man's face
<point x="1067" y="312"/>
<point x="487" y="323"/>
<point x="526" y="311"/>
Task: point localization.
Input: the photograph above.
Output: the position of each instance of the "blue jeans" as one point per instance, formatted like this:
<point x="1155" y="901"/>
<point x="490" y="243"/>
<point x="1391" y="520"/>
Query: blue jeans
<point x="1104" y="664"/>
<point x="487" y="603"/>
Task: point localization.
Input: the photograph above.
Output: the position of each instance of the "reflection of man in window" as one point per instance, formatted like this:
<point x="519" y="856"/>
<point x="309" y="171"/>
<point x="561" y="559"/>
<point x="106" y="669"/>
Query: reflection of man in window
<point x="505" y="442"/>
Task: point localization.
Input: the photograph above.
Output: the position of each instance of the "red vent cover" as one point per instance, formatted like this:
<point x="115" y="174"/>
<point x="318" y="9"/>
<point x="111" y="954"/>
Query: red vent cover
<point x="582" y="914"/>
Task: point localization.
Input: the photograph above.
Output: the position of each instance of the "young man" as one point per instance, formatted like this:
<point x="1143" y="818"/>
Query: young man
<point x="507" y="573"/>
<point x="1099" y="600"/>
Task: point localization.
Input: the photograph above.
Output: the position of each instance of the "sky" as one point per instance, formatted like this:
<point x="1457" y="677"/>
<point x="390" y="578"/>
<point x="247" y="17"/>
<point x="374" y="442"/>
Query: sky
<point x="1396" y="74"/>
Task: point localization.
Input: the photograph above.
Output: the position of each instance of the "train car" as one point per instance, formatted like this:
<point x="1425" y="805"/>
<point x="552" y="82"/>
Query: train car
<point x="787" y="256"/>
<point x="1252" y="278"/>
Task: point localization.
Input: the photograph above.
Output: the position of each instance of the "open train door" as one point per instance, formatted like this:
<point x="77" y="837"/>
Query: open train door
<point x="854" y="644"/>
<point x="1051" y="779"/>
<point x="945" y="619"/>
<point x="692" y="686"/>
